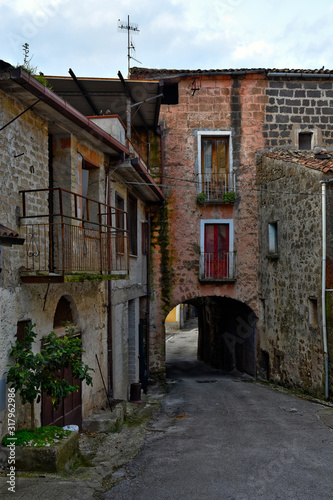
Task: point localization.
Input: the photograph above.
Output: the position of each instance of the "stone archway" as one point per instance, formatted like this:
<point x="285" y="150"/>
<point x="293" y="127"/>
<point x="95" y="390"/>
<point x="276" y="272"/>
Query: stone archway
<point x="226" y="334"/>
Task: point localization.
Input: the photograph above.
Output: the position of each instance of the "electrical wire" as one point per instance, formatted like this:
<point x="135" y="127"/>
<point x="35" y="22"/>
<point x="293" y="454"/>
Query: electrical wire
<point x="261" y="191"/>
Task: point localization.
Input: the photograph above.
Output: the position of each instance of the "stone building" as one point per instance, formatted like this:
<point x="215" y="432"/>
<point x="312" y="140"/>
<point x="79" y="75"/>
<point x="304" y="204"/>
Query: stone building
<point x="74" y="204"/>
<point x="294" y="246"/>
<point x="208" y="242"/>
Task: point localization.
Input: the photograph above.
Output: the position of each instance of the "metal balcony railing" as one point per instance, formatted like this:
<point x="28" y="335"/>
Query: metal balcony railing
<point x="68" y="233"/>
<point x="218" y="266"/>
<point x="216" y="186"/>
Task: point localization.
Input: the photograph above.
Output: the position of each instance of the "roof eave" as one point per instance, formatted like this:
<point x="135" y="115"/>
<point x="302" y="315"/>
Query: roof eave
<point x="30" y="83"/>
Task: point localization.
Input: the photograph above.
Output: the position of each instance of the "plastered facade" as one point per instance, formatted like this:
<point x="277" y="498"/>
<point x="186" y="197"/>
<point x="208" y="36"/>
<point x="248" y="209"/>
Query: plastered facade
<point x="29" y="152"/>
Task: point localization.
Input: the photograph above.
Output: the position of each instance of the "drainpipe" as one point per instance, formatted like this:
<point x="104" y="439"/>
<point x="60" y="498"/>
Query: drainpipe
<point x="323" y="286"/>
<point x="109" y="306"/>
<point x="159" y="131"/>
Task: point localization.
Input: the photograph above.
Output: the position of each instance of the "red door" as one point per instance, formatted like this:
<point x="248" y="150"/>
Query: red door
<point x="216" y="251"/>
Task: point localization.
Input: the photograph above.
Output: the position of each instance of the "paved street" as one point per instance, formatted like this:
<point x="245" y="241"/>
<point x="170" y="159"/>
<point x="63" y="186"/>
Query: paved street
<point x="218" y="437"/>
<point x="222" y="437"/>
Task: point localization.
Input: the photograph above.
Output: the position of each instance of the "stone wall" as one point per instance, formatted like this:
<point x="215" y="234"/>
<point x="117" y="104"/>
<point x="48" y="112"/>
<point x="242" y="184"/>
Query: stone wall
<point x="25" y="165"/>
<point x="290" y="277"/>
<point x="298" y="106"/>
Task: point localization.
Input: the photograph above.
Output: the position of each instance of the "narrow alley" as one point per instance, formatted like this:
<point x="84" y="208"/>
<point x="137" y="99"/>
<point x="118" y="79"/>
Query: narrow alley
<point x="223" y="437"/>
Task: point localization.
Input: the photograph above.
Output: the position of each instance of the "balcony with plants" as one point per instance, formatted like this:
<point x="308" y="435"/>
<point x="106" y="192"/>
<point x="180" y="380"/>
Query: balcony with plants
<point x="213" y="188"/>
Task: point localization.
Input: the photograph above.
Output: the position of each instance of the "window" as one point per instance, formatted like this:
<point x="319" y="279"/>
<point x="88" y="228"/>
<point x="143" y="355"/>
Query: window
<point x="273" y="247"/>
<point x="144" y="238"/>
<point x="133" y="224"/>
<point x="305" y="140"/>
<point x="170" y="93"/>
<point x="217" y="258"/>
<point x="313" y="311"/>
<point x="120" y="224"/>
<point x="22" y="329"/>
<point x="214" y="164"/>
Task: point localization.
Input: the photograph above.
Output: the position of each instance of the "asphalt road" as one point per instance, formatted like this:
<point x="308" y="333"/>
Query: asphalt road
<point x="223" y="437"/>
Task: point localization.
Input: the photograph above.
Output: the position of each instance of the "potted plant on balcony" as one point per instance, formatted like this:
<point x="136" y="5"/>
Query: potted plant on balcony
<point x="201" y="199"/>
<point x="229" y="197"/>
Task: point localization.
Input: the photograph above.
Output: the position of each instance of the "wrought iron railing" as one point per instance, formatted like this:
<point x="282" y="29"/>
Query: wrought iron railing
<point x="69" y="233"/>
<point x="218" y="266"/>
<point x="216" y="187"/>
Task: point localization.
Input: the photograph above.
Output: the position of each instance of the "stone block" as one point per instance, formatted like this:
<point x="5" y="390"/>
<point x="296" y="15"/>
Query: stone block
<point x="55" y="458"/>
<point x="107" y="421"/>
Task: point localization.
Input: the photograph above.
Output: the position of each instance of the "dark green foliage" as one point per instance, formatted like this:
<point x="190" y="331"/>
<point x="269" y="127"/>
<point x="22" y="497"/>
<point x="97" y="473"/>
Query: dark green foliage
<point x="201" y="199"/>
<point x="229" y="197"/>
<point x="31" y="373"/>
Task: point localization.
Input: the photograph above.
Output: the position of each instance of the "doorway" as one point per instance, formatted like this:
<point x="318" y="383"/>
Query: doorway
<point x="70" y="408"/>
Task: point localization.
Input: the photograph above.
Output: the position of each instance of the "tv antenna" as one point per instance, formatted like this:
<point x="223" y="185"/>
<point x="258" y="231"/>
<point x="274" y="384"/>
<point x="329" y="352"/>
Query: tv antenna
<point x="124" y="26"/>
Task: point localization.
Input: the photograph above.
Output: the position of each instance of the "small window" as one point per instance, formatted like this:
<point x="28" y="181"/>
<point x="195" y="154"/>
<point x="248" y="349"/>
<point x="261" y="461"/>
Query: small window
<point x="273" y="247"/>
<point x="133" y="224"/>
<point x="170" y="93"/>
<point x="144" y="238"/>
<point x="22" y="329"/>
<point x="305" y="140"/>
<point x="313" y="311"/>
<point x="120" y="224"/>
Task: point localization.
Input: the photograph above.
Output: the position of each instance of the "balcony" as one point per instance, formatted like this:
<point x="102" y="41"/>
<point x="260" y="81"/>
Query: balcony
<point x="216" y="188"/>
<point x="217" y="267"/>
<point x="69" y="237"/>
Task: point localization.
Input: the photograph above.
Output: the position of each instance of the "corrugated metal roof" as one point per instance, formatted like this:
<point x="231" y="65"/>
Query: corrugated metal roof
<point x="109" y="97"/>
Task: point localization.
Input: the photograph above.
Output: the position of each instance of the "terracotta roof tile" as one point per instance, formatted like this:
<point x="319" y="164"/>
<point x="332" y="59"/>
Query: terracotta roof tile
<point x="150" y="72"/>
<point x="322" y="160"/>
<point x="6" y="231"/>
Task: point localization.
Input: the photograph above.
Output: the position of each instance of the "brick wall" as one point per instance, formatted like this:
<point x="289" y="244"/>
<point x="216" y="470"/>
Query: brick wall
<point x="236" y="105"/>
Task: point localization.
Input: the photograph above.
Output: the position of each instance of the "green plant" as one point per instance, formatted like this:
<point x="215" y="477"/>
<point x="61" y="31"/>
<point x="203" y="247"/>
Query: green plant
<point x="29" y="68"/>
<point x="201" y="198"/>
<point x="42" y="436"/>
<point x="31" y="374"/>
<point x="229" y="197"/>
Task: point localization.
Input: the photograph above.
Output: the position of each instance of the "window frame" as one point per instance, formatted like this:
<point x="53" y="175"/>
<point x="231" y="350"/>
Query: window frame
<point x="273" y="238"/>
<point x="230" y="223"/>
<point x="120" y="223"/>
<point x="132" y="224"/>
<point x="202" y="134"/>
<point x="309" y="134"/>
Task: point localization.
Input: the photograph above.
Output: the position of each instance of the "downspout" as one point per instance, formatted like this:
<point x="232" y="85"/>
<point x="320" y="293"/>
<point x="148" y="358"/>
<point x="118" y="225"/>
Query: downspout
<point x="50" y="202"/>
<point x="323" y="285"/>
<point x="148" y="293"/>
<point x="109" y="306"/>
<point x="160" y="133"/>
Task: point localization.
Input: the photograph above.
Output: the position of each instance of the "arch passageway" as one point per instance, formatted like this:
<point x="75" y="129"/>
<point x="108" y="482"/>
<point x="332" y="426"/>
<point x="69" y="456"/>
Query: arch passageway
<point x="221" y="334"/>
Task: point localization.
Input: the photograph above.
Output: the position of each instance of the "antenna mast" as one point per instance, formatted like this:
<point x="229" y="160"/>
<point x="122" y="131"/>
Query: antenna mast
<point x="130" y="28"/>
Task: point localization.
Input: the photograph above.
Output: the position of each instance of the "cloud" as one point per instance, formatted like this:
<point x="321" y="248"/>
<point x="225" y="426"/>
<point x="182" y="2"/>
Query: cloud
<point x="252" y="50"/>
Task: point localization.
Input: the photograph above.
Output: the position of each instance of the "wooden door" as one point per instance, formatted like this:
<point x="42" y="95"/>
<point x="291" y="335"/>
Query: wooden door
<point x="217" y="251"/>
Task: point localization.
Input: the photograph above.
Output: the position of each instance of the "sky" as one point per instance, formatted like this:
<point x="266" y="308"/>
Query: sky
<point x="175" y="34"/>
